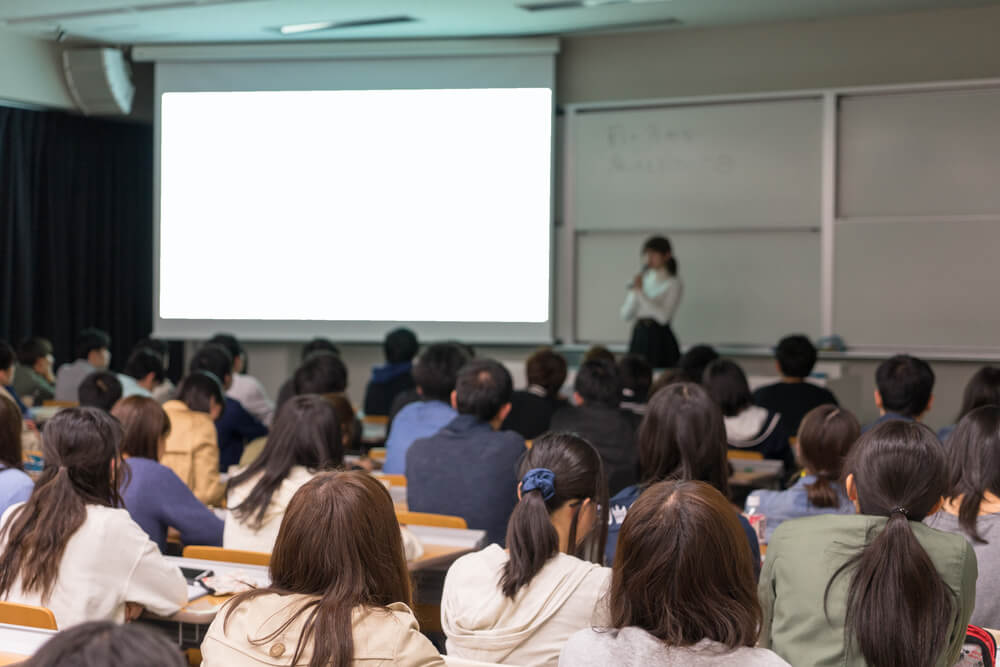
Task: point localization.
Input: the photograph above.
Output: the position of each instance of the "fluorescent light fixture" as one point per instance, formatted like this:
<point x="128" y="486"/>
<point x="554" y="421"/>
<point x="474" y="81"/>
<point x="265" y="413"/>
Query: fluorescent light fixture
<point x="546" y="5"/>
<point x="298" y="28"/>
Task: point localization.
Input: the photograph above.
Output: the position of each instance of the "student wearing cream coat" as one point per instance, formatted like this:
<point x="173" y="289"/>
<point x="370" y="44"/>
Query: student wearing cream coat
<point x="92" y="561"/>
<point x="497" y="607"/>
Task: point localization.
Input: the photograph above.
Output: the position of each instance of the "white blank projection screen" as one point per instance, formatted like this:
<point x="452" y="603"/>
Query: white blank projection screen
<point x="287" y="214"/>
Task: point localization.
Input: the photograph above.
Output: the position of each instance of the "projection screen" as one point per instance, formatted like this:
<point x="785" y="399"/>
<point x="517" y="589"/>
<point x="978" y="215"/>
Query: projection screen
<point x="344" y="197"/>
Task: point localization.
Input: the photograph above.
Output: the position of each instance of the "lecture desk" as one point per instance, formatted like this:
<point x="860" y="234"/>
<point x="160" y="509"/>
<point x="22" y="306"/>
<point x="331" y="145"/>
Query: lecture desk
<point x="441" y="547"/>
<point x="18" y="643"/>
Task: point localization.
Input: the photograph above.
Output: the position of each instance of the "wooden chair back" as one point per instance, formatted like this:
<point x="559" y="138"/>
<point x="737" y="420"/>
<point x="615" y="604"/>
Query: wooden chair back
<point x="14" y="613"/>
<point x="436" y="520"/>
<point x="227" y="555"/>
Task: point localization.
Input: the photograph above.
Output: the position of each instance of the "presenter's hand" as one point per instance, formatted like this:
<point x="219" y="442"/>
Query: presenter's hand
<point x="637" y="283"/>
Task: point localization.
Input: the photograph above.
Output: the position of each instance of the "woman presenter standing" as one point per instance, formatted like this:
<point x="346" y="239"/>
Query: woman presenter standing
<point x="652" y="299"/>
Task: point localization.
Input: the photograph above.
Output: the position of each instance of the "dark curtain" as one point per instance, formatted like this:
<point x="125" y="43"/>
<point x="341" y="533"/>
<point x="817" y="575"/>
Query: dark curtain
<point x="76" y="229"/>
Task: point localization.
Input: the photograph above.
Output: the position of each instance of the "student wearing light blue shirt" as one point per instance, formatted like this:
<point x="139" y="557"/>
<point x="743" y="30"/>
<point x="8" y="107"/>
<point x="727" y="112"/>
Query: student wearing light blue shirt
<point x="15" y="485"/>
<point x="143" y="373"/>
<point x="825" y="438"/>
<point x="434" y="373"/>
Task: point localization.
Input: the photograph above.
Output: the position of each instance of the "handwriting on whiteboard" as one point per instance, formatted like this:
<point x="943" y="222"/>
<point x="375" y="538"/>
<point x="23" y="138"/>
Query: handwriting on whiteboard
<point x="656" y="149"/>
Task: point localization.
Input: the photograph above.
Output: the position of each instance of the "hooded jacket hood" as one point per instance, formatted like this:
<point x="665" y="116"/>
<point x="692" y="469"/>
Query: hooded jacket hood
<point x="483" y="624"/>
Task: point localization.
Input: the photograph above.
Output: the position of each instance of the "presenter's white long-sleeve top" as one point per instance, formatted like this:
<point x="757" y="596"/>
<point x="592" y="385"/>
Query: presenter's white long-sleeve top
<point x="657" y="300"/>
<point x="108" y="561"/>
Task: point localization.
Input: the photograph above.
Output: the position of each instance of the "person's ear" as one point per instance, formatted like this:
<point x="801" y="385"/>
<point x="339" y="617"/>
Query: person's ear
<point x="454" y="399"/>
<point x="420" y="392"/>
<point x="878" y="400"/>
<point x="577" y="398"/>
<point x="519" y="491"/>
<point x="937" y="506"/>
<point x="930" y="404"/>
<point x="504" y="411"/>
<point x="149" y="380"/>
<point x="851" y="488"/>
<point x="778" y="367"/>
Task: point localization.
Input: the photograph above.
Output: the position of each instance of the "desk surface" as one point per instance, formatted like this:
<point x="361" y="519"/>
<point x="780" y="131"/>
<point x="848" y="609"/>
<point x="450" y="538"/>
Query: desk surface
<point x="12" y="658"/>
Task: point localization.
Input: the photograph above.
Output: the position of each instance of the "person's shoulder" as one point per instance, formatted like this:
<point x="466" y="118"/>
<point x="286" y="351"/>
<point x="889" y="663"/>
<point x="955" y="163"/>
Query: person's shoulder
<point x="626" y="496"/>
<point x="820" y="529"/>
<point x="589" y="646"/>
<point x="941" y="541"/>
<point x="12" y="478"/>
<point x="477" y="563"/>
<point x="114" y="525"/>
<point x="767" y="392"/>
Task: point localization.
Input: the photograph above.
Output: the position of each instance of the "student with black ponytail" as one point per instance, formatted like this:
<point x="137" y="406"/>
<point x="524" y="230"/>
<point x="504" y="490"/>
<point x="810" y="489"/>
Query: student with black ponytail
<point x="72" y="547"/>
<point x="519" y="606"/>
<point x="878" y="588"/>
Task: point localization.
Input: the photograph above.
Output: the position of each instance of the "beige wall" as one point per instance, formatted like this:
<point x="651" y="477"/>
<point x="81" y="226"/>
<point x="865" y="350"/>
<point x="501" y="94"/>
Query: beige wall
<point x="923" y="46"/>
<point x="31" y="72"/>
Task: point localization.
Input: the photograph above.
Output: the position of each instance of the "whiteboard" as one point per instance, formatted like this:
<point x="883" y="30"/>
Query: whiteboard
<point x="741" y="288"/>
<point x="919" y="154"/>
<point x="740" y="164"/>
<point x="912" y="283"/>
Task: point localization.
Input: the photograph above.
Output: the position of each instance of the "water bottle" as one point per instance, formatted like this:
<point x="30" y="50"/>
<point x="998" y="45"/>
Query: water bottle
<point x="756" y="518"/>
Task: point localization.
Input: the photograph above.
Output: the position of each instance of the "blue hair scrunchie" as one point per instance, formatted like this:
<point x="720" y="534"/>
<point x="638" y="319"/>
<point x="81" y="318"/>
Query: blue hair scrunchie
<point x="539" y="479"/>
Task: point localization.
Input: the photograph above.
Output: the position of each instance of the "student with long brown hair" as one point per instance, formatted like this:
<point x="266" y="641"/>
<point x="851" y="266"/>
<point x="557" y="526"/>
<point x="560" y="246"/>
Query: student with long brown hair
<point x="682" y="588"/>
<point x="878" y="588"/>
<point x="682" y="437"/>
<point x="972" y="508"/>
<point x="154" y="495"/>
<point x="70" y="548"/>
<point x="519" y="606"/>
<point x="306" y="439"/>
<point x="825" y="437"/>
<point x="339" y="587"/>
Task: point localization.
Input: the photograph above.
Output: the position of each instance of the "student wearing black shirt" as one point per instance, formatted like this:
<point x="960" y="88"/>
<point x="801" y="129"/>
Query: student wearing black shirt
<point x="395" y="376"/>
<point x="793" y="397"/>
<point x="532" y="408"/>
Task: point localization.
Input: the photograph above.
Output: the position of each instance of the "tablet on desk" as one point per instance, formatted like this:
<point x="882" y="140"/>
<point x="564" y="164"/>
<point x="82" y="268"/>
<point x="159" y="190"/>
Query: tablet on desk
<point x="195" y="577"/>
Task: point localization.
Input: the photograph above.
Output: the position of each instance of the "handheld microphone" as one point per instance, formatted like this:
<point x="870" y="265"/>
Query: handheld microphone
<point x="642" y="270"/>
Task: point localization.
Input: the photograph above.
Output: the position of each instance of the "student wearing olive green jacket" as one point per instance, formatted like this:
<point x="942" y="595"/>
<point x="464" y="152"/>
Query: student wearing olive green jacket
<point x="192" y="446"/>
<point x="894" y="591"/>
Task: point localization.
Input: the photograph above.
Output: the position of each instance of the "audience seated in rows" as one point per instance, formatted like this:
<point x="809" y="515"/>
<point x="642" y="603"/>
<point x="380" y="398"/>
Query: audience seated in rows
<point x="749" y="427"/>
<point x="101" y="390"/>
<point x="599" y="419"/>
<point x="531" y="409"/>
<point x="15" y="485"/>
<point x="972" y="506"/>
<point x="983" y="388"/>
<point x="637" y="378"/>
<point x="793" y="396"/>
<point x="340" y="590"/>
<point x="69" y="548"/>
<point x="306" y="440"/>
<point x="192" y="447"/>
<point x="287" y="389"/>
<point x="107" y="644"/>
<point x="235" y="426"/>
<point x="412" y="395"/>
<point x="435" y="373"/>
<point x="879" y="587"/>
<point x="34" y="380"/>
<point x="395" y="376"/>
<point x="155" y="497"/>
<point x="825" y="438"/>
<point x="904" y="389"/>
<point x="469" y="468"/>
<point x="143" y="373"/>
<point x="245" y="388"/>
<point x="682" y="437"/>
<point x="519" y="606"/>
<point x="92" y="354"/>
<point x="682" y="588"/>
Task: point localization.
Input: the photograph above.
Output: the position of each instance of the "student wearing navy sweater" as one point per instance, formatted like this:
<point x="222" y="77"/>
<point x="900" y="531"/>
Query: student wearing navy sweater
<point x="682" y="437"/>
<point x="469" y="468"/>
<point x="236" y="427"/>
<point x="155" y="497"/>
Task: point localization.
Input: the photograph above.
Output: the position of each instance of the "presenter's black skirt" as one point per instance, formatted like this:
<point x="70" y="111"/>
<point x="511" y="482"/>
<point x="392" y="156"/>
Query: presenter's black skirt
<point x="656" y="342"/>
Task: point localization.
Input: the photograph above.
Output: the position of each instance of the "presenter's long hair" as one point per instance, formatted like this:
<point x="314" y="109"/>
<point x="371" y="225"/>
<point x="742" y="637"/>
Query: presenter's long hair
<point x="339" y="543"/>
<point x="661" y="244"/>
<point x="83" y="466"/>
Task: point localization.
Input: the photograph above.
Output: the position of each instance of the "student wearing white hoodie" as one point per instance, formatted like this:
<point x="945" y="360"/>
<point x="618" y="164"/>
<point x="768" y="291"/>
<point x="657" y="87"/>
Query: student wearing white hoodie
<point x="519" y="606"/>
<point x="748" y="427"/>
